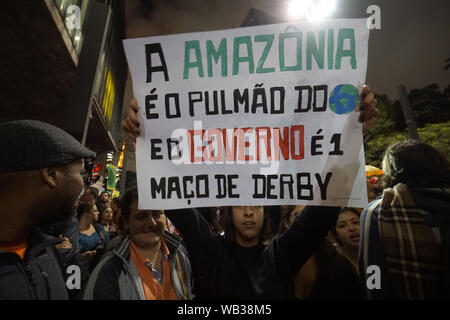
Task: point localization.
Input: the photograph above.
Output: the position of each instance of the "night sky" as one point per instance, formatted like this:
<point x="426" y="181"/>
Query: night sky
<point x="410" y="49"/>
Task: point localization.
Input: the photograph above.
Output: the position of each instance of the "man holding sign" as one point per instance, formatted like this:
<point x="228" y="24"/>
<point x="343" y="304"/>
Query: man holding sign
<point x="280" y="131"/>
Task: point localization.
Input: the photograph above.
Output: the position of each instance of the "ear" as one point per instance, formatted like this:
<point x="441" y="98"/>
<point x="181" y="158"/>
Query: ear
<point x="50" y="176"/>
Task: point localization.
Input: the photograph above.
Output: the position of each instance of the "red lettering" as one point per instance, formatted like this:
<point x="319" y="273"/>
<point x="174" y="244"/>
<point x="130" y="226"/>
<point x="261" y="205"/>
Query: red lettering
<point x="301" y="142"/>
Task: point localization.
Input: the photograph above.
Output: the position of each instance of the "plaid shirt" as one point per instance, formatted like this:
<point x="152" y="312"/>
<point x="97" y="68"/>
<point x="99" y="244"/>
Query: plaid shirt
<point x="402" y="239"/>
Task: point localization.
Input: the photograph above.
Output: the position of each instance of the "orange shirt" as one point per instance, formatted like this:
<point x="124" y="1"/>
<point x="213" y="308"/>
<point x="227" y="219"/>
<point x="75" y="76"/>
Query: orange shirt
<point x="152" y="289"/>
<point x="19" y="249"/>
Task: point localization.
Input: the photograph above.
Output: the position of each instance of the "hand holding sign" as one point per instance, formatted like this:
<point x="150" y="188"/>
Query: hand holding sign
<point x="130" y="124"/>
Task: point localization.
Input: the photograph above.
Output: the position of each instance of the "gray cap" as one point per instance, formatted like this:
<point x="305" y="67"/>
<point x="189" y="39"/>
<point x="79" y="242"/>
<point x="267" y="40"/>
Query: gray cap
<point x="29" y="145"/>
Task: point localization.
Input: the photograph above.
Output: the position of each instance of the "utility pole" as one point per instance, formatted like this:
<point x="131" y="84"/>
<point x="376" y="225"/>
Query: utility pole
<point x="407" y="112"/>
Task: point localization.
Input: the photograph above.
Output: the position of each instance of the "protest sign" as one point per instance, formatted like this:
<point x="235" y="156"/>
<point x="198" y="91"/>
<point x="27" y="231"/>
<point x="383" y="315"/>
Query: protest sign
<point x="251" y="116"/>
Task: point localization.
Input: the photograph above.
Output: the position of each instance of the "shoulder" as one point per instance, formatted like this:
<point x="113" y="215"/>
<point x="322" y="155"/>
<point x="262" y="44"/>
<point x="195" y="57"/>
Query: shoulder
<point x="99" y="226"/>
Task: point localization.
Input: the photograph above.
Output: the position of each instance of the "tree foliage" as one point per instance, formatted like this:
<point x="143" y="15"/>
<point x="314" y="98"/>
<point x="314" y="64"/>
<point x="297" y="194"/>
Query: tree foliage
<point x="431" y="110"/>
<point x="429" y="105"/>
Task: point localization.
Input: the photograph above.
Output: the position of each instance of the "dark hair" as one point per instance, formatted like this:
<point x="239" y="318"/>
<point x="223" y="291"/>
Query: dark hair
<point x="116" y="201"/>
<point x="230" y="229"/>
<point x="353" y="210"/>
<point x="100" y="216"/>
<point x="87" y="198"/>
<point x="343" y="209"/>
<point x="93" y="191"/>
<point x="128" y="197"/>
<point x="416" y="164"/>
<point x="83" y="208"/>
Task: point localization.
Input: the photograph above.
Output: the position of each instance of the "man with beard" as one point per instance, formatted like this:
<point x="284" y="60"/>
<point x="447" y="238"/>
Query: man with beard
<point x="40" y="175"/>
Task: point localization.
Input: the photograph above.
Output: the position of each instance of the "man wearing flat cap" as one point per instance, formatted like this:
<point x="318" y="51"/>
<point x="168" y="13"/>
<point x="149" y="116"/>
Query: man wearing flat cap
<point x="40" y="179"/>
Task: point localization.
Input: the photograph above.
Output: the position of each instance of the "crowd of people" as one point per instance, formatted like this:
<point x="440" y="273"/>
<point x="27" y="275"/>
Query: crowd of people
<point x="50" y="220"/>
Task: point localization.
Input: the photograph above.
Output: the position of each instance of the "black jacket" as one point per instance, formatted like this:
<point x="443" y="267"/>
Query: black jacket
<point x="225" y="270"/>
<point x="38" y="276"/>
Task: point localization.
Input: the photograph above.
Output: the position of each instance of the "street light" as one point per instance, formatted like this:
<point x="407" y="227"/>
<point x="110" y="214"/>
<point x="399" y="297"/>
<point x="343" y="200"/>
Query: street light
<point x="314" y="10"/>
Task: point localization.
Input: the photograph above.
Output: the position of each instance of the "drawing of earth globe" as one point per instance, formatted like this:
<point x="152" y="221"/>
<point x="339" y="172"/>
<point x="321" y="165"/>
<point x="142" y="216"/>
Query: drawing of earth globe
<point x="343" y="98"/>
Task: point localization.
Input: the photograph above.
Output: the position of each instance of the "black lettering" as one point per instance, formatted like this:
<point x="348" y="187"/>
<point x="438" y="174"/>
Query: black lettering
<point x="273" y="110"/>
<point x="148" y="105"/>
<point x="308" y="186"/>
<point x="176" y="98"/>
<point x="171" y="142"/>
<point x="240" y="99"/>
<point x="173" y="184"/>
<point x="270" y="186"/>
<point x="221" y="186"/>
<point x="185" y="180"/>
<point x="315" y="145"/>
<point x="323" y="108"/>
<point x="149" y="50"/>
<point x="259" y="92"/>
<point x="323" y="186"/>
<point x="299" y="104"/>
<point x="232" y="186"/>
<point x="154" y="149"/>
<point x="193" y="100"/>
<point x="257" y="177"/>
<point x="198" y="179"/>
<point x="336" y="140"/>
<point x="158" y="188"/>
<point x="289" y="183"/>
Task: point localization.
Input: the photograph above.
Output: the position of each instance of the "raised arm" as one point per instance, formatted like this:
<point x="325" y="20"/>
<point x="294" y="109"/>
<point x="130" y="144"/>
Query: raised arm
<point x="199" y="239"/>
<point x="293" y="248"/>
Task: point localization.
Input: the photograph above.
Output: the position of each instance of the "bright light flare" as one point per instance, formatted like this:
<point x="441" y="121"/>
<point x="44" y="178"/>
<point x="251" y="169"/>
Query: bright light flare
<point x="298" y="8"/>
<point x="322" y="10"/>
<point x="313" y="10"/>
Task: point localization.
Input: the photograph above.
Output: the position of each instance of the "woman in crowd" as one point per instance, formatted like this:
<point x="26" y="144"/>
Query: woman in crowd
<point x="93" y="236"/>
<point x="327" y="274"/>
<point x="346" y="233"/>
<point x="244" y="264"/>
<point x="106" y="219"/>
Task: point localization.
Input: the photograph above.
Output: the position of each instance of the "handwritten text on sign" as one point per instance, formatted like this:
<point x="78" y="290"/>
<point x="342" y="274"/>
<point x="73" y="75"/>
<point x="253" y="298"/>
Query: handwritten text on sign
<point x="251" y="116"/>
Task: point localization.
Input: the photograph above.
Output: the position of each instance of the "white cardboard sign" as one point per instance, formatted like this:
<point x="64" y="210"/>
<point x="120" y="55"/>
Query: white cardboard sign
<point x="251" y="116"/>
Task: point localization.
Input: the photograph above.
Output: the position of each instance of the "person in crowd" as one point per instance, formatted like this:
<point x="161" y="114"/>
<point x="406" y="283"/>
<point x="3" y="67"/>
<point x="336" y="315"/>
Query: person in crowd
<point x="94" y="191"/>
<point x="347" y="234"/>
<point x="327" y="275"/>
<point x="106" y="219"/>
<point x="104" y="197"/>
<point x="405" y="234"/>
<point x="41" y="176"/>
<point x="244" y="264"/>
<point x="371" y="193"/>
<point x="103" y="201"/>
<point x="149" y="263"/>
<point x="115" y="206"/>
<point x="241" y="266"/>
<point x="93" y="236"/>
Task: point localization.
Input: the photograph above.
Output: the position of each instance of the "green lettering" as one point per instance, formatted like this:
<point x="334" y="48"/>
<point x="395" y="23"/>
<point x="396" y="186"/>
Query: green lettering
<point x="220" y="53"/>
<point x="346" y="34"/>
<point x="330" y="48"/>
<point x="287" y="35"/>
<point x="237" y="59"/>
<point x="188" y="45"/>
<point x="311" y="49"/>
<point x="268" y="39"/>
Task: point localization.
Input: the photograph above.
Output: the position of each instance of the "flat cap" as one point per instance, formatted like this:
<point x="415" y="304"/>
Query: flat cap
<point x="30" y="145"/>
